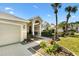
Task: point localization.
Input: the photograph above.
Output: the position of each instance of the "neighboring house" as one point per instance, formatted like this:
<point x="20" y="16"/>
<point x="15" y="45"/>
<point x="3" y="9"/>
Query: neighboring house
<point x="74" y="26"/>
<point x="45" y="25"/>
<point x="60" y="30"/>
<point x="14" y="29"/>
<point x="52" y="26"/>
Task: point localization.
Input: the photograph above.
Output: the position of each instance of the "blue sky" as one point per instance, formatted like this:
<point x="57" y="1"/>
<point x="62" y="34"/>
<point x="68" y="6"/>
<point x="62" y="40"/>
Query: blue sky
<point x="44" y="10"/>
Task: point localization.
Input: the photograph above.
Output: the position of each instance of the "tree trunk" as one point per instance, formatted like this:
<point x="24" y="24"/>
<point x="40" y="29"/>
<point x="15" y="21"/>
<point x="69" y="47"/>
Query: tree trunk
<point x="66" y="27"/>
<point x="56" y="25"/>
<point x="56" y="33"/>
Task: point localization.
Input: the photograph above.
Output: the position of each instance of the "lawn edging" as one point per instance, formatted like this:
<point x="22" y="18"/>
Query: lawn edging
<point x="38" y="53"/>
<point x="67" y="49"/>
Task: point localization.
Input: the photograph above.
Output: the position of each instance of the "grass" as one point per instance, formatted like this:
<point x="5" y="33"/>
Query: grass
<point x="71" y="43"/>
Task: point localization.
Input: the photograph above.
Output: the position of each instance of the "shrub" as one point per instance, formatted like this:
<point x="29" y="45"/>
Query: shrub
<point x="52" y="48"/>
<point x="49" y="49"/>
<point x="43" y="44"/>
<point x="47" y="33"/>
<point x="71" y="32"/>
<point x="55" y="47"/>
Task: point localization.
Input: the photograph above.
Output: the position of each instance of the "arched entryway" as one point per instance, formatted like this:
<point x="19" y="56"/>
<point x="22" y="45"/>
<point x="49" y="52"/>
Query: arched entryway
<point x="34" y="27"/>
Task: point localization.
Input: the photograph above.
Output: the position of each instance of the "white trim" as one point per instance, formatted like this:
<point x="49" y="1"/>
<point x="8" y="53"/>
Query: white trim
<point x="15" y="24"/>
<point x="33" y="22"/>
<point x="11" y="17"/>
<point x="22" y="33"/>
<point x="26" y="30"/>
<point x="9" y="23"/>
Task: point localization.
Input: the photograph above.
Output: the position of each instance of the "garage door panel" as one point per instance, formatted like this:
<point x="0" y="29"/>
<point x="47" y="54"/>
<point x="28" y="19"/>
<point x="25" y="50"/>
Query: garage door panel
<point x="9" y="33"/>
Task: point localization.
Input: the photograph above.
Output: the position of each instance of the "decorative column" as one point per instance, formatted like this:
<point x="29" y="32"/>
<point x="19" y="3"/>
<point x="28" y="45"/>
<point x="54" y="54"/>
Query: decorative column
<point x="40" y="30"/>
<point x="33" y="28"/>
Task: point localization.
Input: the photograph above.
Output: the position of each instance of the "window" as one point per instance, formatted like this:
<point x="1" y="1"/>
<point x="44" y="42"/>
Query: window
<point x="23" y="26"/>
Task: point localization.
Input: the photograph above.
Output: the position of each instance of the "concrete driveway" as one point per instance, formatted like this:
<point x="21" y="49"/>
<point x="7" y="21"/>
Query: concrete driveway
<point x="17" y="49"/>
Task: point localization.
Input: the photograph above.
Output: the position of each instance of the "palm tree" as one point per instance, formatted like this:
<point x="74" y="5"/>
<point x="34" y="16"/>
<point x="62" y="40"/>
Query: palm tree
<point x="70" y="10"/>
<point x="55" y="6"/>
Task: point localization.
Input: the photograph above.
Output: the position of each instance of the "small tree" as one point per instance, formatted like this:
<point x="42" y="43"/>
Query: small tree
<point x="55" y="7"/>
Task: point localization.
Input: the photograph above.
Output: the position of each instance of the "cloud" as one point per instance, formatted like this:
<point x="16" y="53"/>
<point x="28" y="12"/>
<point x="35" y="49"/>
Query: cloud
<point x="35" y="6"/>
<point x="49" y="15"/>
<point x="73" y="16"/>
<point x="8" y="8"/>
<point x="11" y="12"/>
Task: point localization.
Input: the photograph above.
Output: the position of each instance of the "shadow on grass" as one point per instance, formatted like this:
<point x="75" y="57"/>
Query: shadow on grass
<point x="76" y="36"/>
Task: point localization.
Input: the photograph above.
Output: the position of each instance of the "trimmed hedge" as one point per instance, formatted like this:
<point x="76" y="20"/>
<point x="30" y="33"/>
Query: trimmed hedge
<point x="48" y="33"/>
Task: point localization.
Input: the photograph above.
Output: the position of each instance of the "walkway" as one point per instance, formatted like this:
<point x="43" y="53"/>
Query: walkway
<point x="46" y="38"/>
<point x="17" y="49"/>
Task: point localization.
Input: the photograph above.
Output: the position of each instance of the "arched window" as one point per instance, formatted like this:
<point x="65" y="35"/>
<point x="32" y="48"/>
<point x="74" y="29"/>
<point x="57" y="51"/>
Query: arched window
<point x="37" y="22"/>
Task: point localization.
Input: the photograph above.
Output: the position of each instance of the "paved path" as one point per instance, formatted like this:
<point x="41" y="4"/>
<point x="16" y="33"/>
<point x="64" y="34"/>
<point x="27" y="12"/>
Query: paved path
<point x="46" y="38"/>
<point x="17" y="49"/>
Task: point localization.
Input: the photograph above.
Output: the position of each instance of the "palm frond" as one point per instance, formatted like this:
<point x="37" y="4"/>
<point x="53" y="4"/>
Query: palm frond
<point x="71" y="9"/>
<point x="56" y="5"/>
<point x="68" y="9"/>
<point x="74" y="9"/>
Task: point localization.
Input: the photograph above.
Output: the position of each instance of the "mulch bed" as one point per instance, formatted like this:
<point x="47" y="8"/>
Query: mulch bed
<point x="62" y="52"/>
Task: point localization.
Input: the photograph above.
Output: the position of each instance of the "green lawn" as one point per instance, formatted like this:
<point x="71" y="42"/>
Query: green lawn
<point x="71" y="43"/>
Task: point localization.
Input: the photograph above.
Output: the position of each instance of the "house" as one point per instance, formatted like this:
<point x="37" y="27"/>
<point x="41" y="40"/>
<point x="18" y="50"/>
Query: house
<point x="14" y="29"/>
<point x="52" y="26"/>
<point x="45" y="25"/>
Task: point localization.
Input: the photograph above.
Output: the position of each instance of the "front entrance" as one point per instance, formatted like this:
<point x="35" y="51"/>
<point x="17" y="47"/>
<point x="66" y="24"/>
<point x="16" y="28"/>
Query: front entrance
<point x="34" y="28"/>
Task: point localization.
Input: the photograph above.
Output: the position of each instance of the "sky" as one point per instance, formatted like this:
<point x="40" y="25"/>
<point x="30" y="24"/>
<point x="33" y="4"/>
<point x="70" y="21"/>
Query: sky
<point x="44" y="10"/>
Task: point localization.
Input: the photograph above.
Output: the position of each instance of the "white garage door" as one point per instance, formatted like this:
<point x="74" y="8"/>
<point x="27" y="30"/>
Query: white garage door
<point x="9" y="33"/>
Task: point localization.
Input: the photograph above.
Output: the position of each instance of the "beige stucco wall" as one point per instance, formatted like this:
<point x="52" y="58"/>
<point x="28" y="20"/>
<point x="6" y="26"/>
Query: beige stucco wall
<point x="22" y="24"/>
<point x="4" y="17"/>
